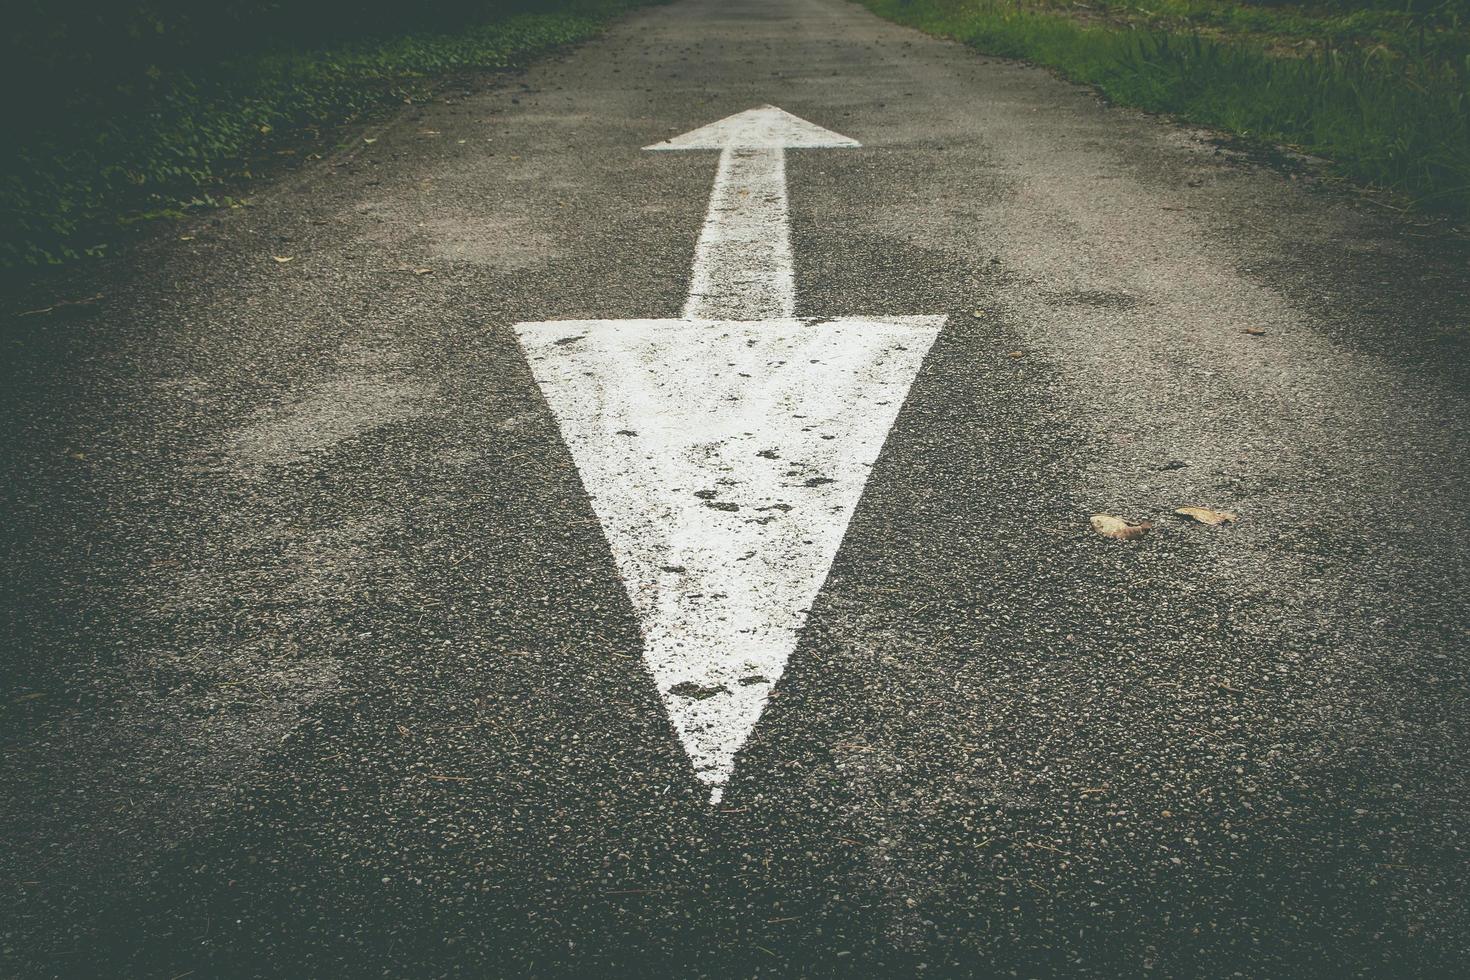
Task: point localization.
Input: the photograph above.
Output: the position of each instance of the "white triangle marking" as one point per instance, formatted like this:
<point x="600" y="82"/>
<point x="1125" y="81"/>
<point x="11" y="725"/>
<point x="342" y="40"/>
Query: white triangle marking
<point x="724" y="460"/>
<point x="763" y="127"/>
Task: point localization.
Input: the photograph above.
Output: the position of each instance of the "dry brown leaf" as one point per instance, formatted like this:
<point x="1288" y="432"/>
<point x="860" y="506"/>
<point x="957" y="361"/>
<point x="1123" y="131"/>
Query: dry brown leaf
<point x="423" y="272"/>
<point x="1255" y="331"/>
<point x="1120" y="530"/>
<point x="1205" y="515"/>
<point x="283" y="259"/>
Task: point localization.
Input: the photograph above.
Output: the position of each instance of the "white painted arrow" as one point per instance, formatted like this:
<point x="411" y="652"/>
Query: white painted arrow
<point x="742" y="265"/>
<point x="724" y="452"/>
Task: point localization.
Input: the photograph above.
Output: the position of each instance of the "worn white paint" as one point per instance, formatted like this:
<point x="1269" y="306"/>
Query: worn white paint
<point x="724" y="452"/>
<point x="764" y="127"/>
<point x="724" y="460"/>
<point x="742" y="264"/>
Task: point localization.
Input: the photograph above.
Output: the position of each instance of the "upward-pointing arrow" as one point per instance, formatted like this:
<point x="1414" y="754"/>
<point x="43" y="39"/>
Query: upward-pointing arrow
<point x="724" y="452"/>
<point x="742" y="265"/>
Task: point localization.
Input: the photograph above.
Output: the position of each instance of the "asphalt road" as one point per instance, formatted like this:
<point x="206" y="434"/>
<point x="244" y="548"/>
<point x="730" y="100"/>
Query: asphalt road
<point x="318" y="662"/>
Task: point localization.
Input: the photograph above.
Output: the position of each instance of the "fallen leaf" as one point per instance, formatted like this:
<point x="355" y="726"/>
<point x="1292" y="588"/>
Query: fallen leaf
<point x="1205" y="515"/>
<point x="1115" y="527"/>
<point x="1016" y="353"/>
<point x="423" y="272"/>
<point x="1255" y="331"/>
<point x="283" y="259"/>
<point x="978" y="314"/>
<point x="369" y="139"/>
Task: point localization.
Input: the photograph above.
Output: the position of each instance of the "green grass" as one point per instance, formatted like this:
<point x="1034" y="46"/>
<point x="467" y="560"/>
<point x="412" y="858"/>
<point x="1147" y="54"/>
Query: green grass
<point x="69" y="185"/>
<point x="1440" y="33"/>
<point x="1391" y="117"/>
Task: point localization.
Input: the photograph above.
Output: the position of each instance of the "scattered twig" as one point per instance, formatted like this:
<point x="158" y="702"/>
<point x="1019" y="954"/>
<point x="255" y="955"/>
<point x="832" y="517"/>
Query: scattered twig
<point x="86" y="301"/>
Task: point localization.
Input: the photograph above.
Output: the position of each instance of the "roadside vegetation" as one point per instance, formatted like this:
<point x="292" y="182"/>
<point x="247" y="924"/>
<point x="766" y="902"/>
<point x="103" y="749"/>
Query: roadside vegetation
<point x="136" y="111"/>
<point x="1380" y="89"/>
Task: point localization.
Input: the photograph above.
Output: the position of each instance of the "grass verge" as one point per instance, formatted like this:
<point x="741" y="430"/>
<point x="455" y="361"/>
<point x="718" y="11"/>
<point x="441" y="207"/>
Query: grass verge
<point x="1394" y="116"/>
<point x="68" y="185"/>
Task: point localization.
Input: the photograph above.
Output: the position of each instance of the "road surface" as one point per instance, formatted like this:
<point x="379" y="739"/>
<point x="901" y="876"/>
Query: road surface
<point x="342" y="639"/>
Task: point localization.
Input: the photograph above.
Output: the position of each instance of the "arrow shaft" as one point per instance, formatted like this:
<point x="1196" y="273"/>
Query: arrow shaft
<point x="742" y="264"/>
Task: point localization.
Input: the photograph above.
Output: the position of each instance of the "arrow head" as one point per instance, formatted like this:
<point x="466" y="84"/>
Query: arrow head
<point x="724" y="460"/>
<point x="760" y="128"/>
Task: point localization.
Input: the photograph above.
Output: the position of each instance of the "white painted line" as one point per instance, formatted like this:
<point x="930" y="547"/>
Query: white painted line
<point x="724" y="452"/>
<point x="742" y="265"/>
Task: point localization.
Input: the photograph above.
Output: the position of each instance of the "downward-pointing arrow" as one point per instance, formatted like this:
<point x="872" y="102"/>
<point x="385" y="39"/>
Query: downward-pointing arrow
<point x="725" y="452"/>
